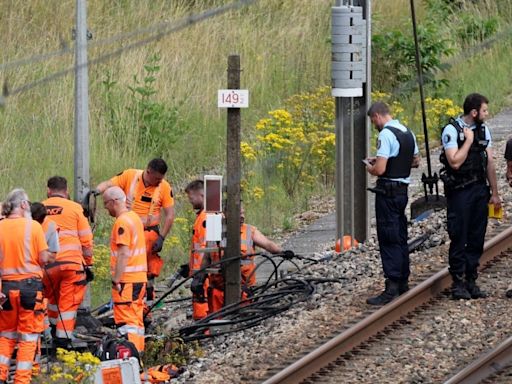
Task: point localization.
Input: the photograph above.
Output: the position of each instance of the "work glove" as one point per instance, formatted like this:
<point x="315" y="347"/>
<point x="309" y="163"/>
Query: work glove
<point x="89" y="274"/>
<point x="197" y="287"/>
<point x="288" y="254"/>
<point x="159" y="243"/>
<point x="95" y="192"/>
<point x="184" y="270"/>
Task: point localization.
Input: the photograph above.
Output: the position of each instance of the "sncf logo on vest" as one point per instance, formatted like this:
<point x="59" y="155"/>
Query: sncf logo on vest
<point x="53" y="210"/>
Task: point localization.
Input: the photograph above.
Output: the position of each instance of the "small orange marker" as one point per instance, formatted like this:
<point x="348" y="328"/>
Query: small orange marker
<point x="347" y="243"/>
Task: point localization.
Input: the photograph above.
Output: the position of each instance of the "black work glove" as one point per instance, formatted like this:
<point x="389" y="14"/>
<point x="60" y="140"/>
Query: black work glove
<point x="184" y="270"/>
<point x="288" y="254"/>
<point x="159" y="243"/>
<point x="197" y="287"/>
<point x="95" y="192"/>
<point x="89" y="274"/>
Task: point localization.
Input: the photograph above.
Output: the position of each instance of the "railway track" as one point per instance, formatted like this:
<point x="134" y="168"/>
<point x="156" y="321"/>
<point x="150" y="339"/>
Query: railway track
<point x="349" y="356"/>
<point x="494" y="366"/>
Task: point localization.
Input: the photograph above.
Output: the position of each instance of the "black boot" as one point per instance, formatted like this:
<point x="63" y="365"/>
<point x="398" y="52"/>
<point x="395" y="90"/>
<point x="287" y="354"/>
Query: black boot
<point x="403" y="286"/>
<point x="390" y="293"/>
<point x="459" y="290"/>
<point x="475" y="291"/>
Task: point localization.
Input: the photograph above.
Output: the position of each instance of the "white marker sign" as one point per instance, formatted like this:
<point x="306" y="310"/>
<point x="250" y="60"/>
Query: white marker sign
<point x="233" y="98"/>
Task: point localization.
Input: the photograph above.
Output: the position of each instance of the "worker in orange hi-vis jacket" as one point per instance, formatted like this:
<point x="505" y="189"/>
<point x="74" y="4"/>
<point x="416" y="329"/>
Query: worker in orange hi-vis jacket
<point x="23" y="253"/>
<point x="250" y="237"/>
<point x="66" y="278"/>
<point x="195" y="193"/>
<point x="128" y="267"/>
<point x="147" y="194"/>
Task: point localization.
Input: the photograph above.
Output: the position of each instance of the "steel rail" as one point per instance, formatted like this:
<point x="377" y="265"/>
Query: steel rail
<point x="382" y="318"/>
<point x="485" y="366"/>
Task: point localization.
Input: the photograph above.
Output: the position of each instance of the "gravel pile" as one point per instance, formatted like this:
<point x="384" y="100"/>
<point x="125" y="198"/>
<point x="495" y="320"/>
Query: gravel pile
<point x="246" y="356"/>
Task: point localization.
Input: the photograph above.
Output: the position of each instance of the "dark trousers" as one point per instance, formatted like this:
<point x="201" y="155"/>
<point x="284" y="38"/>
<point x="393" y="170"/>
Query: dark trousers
<point x="467" y="223"/>
<point x="392" y="234"/>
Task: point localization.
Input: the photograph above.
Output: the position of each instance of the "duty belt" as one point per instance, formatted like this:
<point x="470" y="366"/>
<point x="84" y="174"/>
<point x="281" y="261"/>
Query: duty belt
<point x="30" y="284"/>
<point x="389" y="188"/>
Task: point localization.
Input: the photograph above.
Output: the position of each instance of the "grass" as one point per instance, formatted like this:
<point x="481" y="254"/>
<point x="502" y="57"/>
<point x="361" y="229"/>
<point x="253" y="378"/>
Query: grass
<point x="284" y="49"/>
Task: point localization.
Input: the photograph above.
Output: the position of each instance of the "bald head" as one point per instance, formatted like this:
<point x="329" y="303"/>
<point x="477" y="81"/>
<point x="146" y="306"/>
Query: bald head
<point x="114" y="200"/>
<point x="114" y="193"/>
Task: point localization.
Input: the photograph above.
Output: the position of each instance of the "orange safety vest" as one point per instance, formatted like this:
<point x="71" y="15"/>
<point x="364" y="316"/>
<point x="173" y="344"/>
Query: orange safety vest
<point x="198" y="242"/>
<point x="145" y="201"/>
<point x="21" y="241"/>
<point x="128" y="230"/>
<point x="246" y="244"/>
<point x="75" y="235"/>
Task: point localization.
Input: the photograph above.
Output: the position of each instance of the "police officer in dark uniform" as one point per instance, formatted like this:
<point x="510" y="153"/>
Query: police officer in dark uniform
<point x="397" y="152"/>
<point x="468" y="166"/>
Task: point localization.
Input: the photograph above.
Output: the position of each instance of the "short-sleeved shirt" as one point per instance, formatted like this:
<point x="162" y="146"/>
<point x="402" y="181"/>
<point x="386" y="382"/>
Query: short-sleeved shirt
<point x="128" y="231"/>
<point x="449" y="135"/>
<point x="508" y="150"/>
<point x="146" y="202"/>
<point x="21" y="242"/>
<point x="389" y="146"/>
<point x="51" y="235"/>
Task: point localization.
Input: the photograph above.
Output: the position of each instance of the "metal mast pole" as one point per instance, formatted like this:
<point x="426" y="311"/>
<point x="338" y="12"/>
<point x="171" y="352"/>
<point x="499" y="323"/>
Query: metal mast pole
<point x="81" y="159"/>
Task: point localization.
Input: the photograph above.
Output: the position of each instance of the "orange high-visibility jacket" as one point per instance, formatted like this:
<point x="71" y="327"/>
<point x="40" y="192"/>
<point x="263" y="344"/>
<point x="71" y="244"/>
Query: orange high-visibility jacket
<point x="75" y="235"/>
<point x="198" y="242"/>
<point x="247" y="243"/>
<point x="21" y="241"/>
<point x="128" y="230"/>
<point x="145" y="201"/>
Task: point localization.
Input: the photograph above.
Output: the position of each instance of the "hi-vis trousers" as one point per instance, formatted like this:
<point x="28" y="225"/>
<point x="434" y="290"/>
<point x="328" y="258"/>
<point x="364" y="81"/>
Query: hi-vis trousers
<point x="21" y="322"/>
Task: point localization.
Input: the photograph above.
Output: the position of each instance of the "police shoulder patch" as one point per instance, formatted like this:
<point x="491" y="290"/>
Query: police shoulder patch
<point x="120" y="231"/>
<point x="447" y="139"/>
<point x="378" y="144"/>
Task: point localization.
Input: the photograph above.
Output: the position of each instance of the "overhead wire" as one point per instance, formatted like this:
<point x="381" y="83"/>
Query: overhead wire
<point x="162" y="30"/>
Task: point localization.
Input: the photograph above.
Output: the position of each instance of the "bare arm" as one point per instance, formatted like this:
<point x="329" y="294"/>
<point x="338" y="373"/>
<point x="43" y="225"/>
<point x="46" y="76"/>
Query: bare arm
<point x="379" y="167"/>
<point x="104" y="186"/>
<point x="491" y="177"/>
<point x="169" y="220"/>
<point x="123" y="252"/>
<point x="263" y="242"/>
<point x="415" y="161"/>
<point x="45" y="257"/>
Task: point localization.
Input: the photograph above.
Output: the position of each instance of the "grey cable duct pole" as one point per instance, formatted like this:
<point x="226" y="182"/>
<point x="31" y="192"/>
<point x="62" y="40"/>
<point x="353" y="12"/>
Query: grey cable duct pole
<point x="81" y="160"/>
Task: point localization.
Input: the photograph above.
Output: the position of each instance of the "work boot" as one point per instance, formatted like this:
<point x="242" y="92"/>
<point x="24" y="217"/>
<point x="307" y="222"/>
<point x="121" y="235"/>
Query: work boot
<point x="475" y="291"/>
<point x="390" y="293"/>
<point x="459" y="290"/>
<point x="403" y="286"/>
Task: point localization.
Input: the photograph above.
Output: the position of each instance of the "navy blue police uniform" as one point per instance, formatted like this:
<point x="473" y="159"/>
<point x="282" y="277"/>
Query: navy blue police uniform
<point x="467" y="195"/>
<point x="398" y="145"/>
